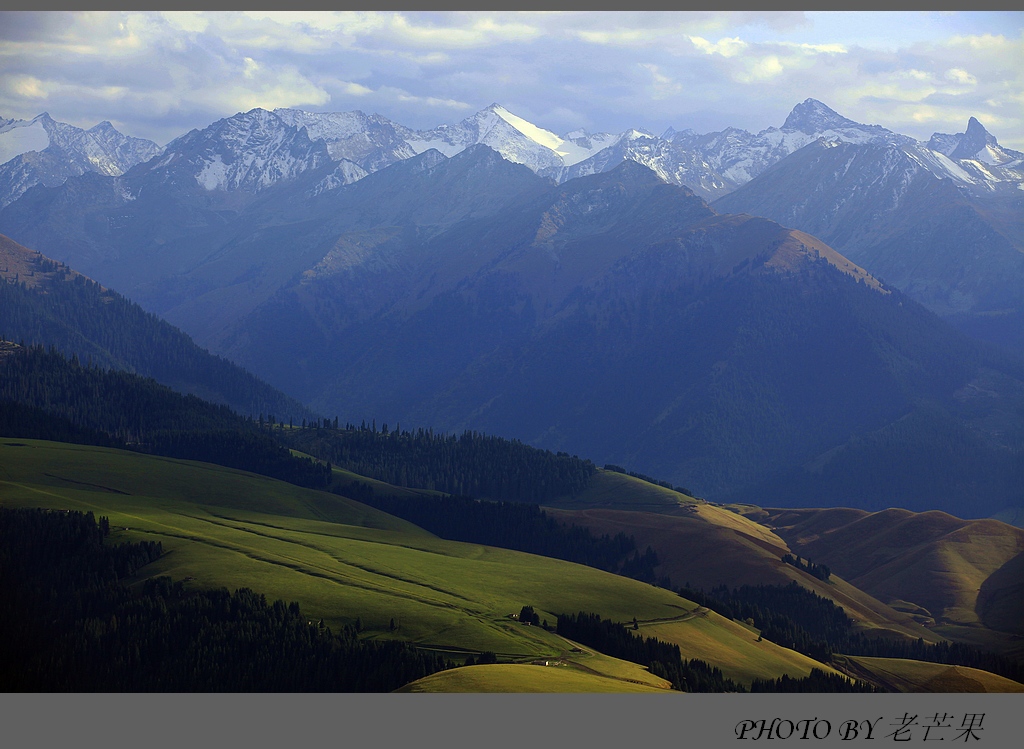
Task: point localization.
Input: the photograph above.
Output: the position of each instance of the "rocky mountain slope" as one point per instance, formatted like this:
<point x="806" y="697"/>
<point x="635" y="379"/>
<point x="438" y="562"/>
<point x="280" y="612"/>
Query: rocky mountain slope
<point x="44" y="151"/>
<point x="946" y="231"/>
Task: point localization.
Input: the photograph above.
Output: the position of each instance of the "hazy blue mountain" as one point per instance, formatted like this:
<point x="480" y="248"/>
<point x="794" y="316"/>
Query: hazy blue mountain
<point x="44" y="151"/>
<point x="47" y="303"/>
<point x="618" y="317"/>
<point x="953" y="244"/>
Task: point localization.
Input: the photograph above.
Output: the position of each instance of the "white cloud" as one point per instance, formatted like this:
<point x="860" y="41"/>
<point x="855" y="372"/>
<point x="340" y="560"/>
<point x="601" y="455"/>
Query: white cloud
<point x="431" y="101"/>
<point x="661" y="86"/>
<point x="355" y="89"/>
<point x="983" y="42"/>
<point x="915" y="75"/>
<point x="27" y="86"/>
<point x="724" y="47"/>
<point x="893" y="92"/>
<point x="481" y="32"/>
<point x="248" y="85"/>
<point x="767" y="67"/>
<point x="761" y="69"/>
<point x="431" y="58"/>
<point x="824" y="49"/>
<point x="347" y="22"/>
<point x="635" y="29"/>
<point x="959" y="75"/>
<point x="33" y="88"/>
<point x="624" y="37"/>
<point x="187" y="20"/>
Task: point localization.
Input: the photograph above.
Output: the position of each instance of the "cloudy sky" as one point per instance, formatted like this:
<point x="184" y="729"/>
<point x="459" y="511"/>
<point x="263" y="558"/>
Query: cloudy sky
<point x="159" y="74"/>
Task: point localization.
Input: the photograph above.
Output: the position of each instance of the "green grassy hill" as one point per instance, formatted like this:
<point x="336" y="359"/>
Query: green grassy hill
<point x="341" y="560"/>
<point x="560" y="676"/>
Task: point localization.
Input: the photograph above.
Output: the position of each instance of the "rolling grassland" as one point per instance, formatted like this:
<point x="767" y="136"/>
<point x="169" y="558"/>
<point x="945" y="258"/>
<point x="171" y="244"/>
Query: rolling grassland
<point x="702" y="545"/>
<point x="344" y="561"/>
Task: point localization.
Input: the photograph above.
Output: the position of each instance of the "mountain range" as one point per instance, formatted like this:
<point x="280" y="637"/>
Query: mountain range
<point x="944" y="229"/>
<point x="711" y="164"/>
<point x="938" y="219"/>
<point x="42" y="151"/>
<point x="579" y="292"/>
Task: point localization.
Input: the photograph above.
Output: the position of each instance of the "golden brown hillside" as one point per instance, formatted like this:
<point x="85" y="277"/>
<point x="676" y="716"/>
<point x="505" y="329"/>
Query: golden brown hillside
<point x="18" y="263"/>
<point x="707" y="545"/>
<point x="903" y="675"/>
<point x="947" y="570"/>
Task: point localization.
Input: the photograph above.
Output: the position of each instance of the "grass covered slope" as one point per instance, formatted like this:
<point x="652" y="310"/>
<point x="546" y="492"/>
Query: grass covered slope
<point x="522" y="678"/>
<point x="743" y="656"/>
<point x="612" y="490"/>
<point x="903" y="675"/>
<point x="702" y="545"/>
<point x="931" y="563"/>
<point x="339" y="559"/>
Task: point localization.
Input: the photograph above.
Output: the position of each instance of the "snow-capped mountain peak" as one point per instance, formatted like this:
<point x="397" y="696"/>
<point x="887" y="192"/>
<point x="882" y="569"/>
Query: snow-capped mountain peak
<point x="975" y="157"/>
<point x="812" y="117"/>
<point x="371" y="141"/>
<point x="979" y="144"/>
<point x="515" y="138"/>
<point x="536" y="134"/>
<point x="45" y="151"/>
<point x="249" y="151"/>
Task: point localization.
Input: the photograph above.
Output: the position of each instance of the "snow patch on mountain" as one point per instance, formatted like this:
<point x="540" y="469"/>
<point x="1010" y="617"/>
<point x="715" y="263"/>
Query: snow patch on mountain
<point x="515" y="138"/>
<point x="370" y="141"/>
<point x="45" y="151"/>
<point x="536" y="134"/>
<point x="21" y="136"/>
<point x="940" y="165"/>
<point x="488" y="127"/>
<point x="422" y="145"/>
<point x="250" y="152"/>
<point x="345" y="173"/>
<point x="214" y="174"/>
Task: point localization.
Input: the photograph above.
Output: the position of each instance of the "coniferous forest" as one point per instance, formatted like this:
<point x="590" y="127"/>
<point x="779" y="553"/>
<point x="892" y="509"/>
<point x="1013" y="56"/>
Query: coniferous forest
<point x="70" y="623"/>
<point x="81" y="318"/>
<point x="471" y="464"/>
<point x="43" y="395"/>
